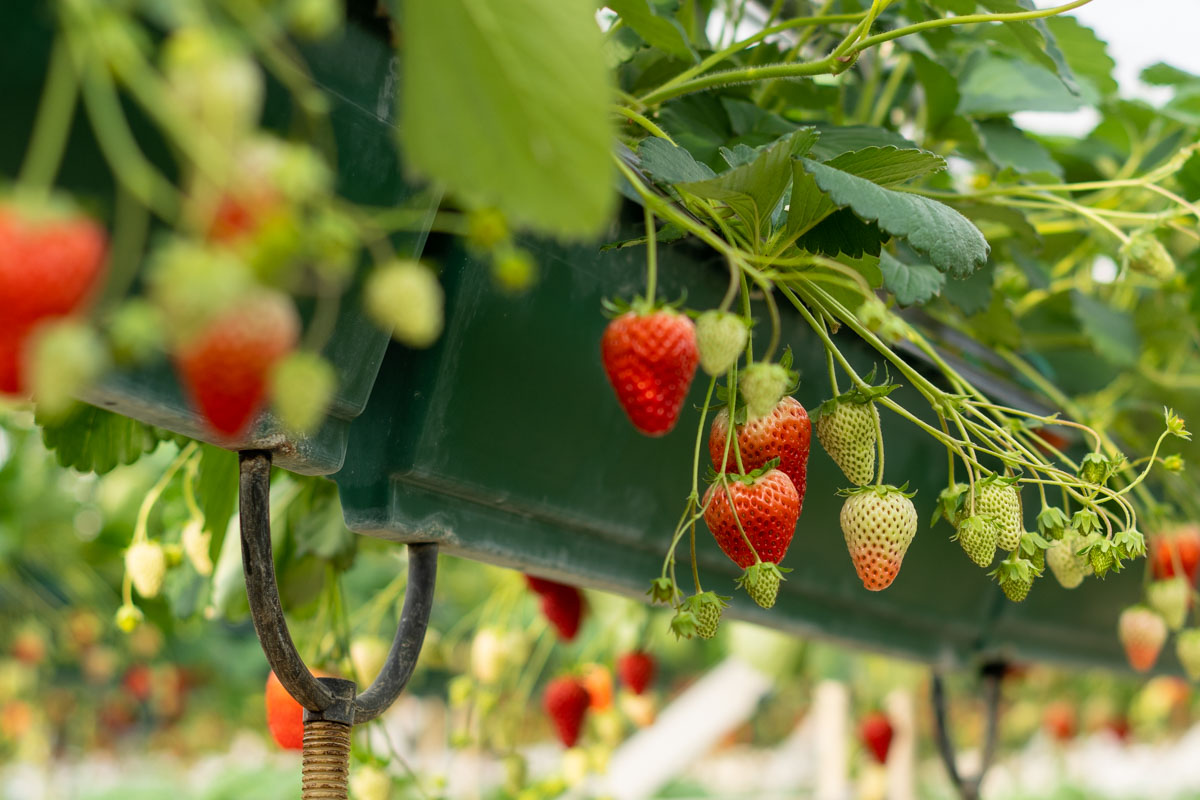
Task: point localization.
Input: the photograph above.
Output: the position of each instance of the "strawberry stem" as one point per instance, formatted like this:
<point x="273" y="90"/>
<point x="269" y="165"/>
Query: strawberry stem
<point x="53" y="121"/>
<point x="651" y="257"/>
<point x="879" y="443"/>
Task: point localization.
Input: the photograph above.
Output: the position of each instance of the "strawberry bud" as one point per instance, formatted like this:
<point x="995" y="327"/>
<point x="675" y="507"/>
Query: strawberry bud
<point x="1144" y="253"/>
<point x="129" y="617"/>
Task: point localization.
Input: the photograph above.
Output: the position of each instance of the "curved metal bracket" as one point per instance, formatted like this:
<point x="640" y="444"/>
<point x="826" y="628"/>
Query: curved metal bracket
<point x="968" y="788"/>
<point x="330" y="699"/>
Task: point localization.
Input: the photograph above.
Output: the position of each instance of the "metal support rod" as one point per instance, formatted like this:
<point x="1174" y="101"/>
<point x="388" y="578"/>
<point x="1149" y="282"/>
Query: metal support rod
<point x="331" y="705"/>
<point x="968" y="788"/>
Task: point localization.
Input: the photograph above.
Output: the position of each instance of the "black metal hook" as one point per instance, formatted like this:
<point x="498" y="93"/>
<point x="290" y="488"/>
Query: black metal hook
<point x="968" y="788"/>
<point x="329" y="699"/>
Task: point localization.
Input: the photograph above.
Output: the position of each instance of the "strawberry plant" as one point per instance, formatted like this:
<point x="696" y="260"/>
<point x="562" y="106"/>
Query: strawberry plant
<point x="859" y="168"/>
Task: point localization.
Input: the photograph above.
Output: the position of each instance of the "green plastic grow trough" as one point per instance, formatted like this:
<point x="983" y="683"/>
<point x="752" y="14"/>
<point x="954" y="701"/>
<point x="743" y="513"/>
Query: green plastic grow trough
<point x="503" y="442"/>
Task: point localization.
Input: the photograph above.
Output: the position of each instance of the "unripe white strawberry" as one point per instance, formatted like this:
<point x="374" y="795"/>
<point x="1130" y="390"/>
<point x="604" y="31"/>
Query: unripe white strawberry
<point x="370" y="783"/>
<point x="129" y="617"/>
<point x="487" y="655"/>
<point x="1001" y="502"/>
<point x="146" y="564"/>
<point x="1187" y="648"/>
<point x="406" y="298"/>
<point x="211" y="82"/>
<point x="762" y="387"/>
<point x="721" y="338"/>
<point x="1069" y="568"/>
<point x="1170" y="598"/>
<point x="367" y="655"/>
<point x="196" y="544"/>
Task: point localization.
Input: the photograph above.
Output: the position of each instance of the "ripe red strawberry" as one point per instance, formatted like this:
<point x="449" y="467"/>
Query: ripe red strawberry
<point x="1182" y="544"/>
<point x="285" y="717"/>
<point x="650" y="360"/>
<point x="1059" y="720"/>
<point x="785" y="433"/>
<point x="48" y="265"/>
<point x="563" y="606"/>
<point x="566" y="701"/>
<point x="876" y="733"/>
<point x="767" y="506"/>
<point x="1142" y="633"/>
<point x="540" y="585"/>
<point x="226" y="367"/>
<point x="636" y="670"/>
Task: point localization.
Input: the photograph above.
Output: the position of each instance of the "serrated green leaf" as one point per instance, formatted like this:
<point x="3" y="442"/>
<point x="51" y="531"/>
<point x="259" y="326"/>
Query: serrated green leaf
<point x="752" y="191"/>
<point x="1037" y="38"/>
<point x="1011" y="218"/>
<point x="941" y="91"/>
<point x="1163" y="74"/>
<point x="1085" y="52"/>
<point x="698" y="123"/>
<point x="995" y="85"/>
<point x="837" y="139"/>
<point x="1189" y="177"/>
<point x="843" y="233"/>
<point x="739" y="155"/>
<point x="670" y="164"/>
<point x="951" y="242"/>
<point x="910" y="284"/>
<point x="1184" y="106"/>
<point x="973" y="294"/>
<point x="91" y="439"/>
<point x="890" y="165"/>
<point x="662" y="32"/>
<point x="1112" y="332"/>
<point x="509" y="106"/>
<point x="1008" y="147"/>
<point x="621" y="46"/>
<point x="217" y="492"/>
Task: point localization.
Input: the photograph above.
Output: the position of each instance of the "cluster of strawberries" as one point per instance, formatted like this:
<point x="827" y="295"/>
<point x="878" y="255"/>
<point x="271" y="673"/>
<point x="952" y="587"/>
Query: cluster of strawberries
<point x="568" y="697"/>
<point x="1143" y="629"/>
<point x="50" y="262"/>
<point x="650" y="356"/>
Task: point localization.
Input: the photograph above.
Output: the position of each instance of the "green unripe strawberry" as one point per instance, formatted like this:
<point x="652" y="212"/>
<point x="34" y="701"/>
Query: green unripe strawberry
<point x="1144" y="253"/>
<point x="847" y="432"/>
<point x="66" y="358"/>
<point x="706" y="607"/>
<point x="1000" y="500"/>
<point x="761" y="581"/>
<point x="514" y="270"/>
<point x="1187" y="648"/>
<point x="721" y="338"/>
<point x="1100" y="555"/>
<point x="406" y="298"/>
<point x="1170" y="598"/>
<point x="1063" y="558"/>
<point x="977" y="537"/>
<point x="762" y="387"/>
<point x="1015" y="576"/>
<point x="135" y="332"/>
<point x="302" y="387"/>
<point x="129" y="617"/>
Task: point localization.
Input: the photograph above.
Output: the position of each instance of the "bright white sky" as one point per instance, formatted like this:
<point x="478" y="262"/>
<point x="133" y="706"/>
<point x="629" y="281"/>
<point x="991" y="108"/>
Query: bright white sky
<point x="1139" y="33"/>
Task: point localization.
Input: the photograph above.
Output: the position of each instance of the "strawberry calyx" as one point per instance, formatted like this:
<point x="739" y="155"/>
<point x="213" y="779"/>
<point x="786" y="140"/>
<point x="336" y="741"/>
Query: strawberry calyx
<point x="882" y="490"/>
<point x="1085" y="521"/>
<point x="1052" y="522"/>
<point x="662" y="590"/>
<point x="1015" y="568"/>
<point x="1030" y="544"/>
<point x="761" y="581"/>
<point x="974" y="524"/>
<point x="641" y="306"/>
<point x="1129" y="544"/>
<point x="949" y="503"/>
